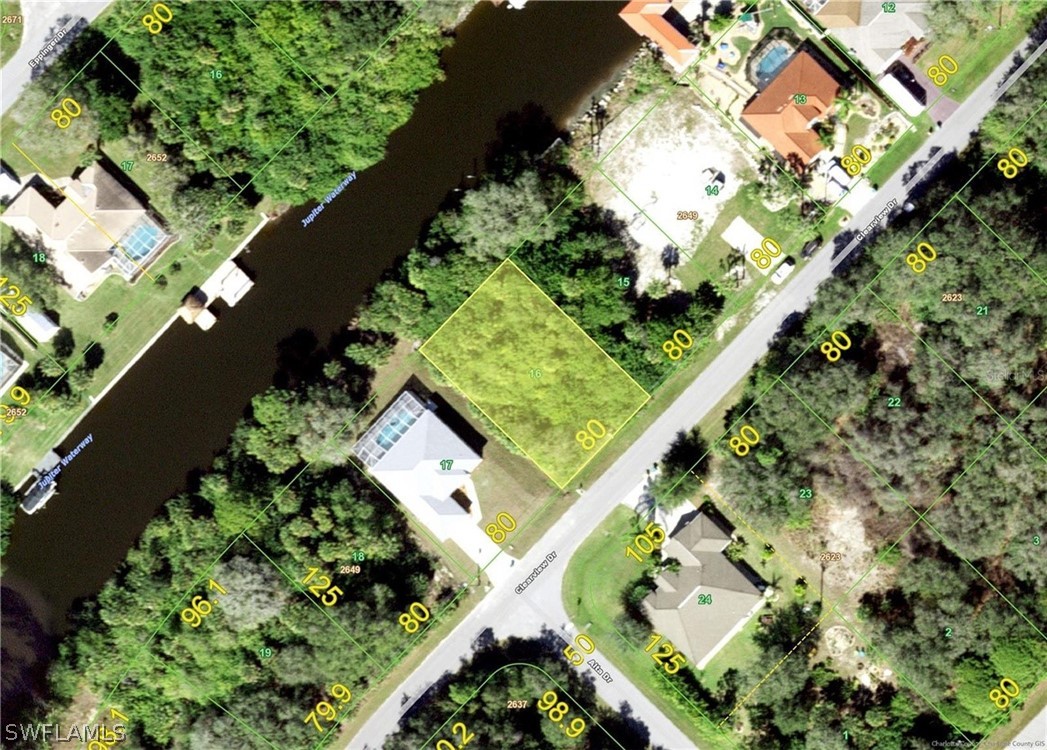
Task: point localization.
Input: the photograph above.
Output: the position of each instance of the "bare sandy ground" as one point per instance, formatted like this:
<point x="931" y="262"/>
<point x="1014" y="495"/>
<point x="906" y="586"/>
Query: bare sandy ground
<point x="662" y="168"/>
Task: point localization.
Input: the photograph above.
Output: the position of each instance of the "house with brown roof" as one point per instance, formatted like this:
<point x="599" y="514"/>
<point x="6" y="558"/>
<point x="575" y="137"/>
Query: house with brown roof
<point x="776" y="116"/>
<point x="93" y="226"/>
<point x="704" y="603"/>
<point x="663" y="23"/>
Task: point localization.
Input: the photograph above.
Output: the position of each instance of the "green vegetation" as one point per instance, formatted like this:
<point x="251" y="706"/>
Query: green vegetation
<point x="978" y="35"/>
<point x="927" y="405"/>
<point x="568" y="380"/>
<point x="8" y="509"/>
<point x="234" y="145"/>
<point x="288" y="98"/>
<point x="602" y="607"/>
<point x="687" y="457"/>
<point x="900" y="151"/>
<point x="478" y="694"/>
<point x="577" y="254"/>
<point x="11" y="36"/>
<point x="929" y="448"/>
<point x="332" y="516"/>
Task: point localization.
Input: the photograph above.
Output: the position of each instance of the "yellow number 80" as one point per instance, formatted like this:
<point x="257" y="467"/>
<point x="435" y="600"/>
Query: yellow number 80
<point x="674" y="347"/>
<point x="69" y="109"/>
<point x="1002" y="695"/>
<point x="746" y="437"/>
<point x="155" y="21"/>
<point x="1015" y="158"/>
<point x="762" y="255"/>
<point x="924" y="254"/>
<point x="589" y="436"/>
<point x="854" y="161"/>
<point x="940" y="73"/>
<point x="411" y="620"/>
<point x="838" y="342"/>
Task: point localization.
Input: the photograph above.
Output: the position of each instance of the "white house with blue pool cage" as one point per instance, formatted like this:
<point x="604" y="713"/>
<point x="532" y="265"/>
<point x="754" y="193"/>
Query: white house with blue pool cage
<point x="92" y="226"/>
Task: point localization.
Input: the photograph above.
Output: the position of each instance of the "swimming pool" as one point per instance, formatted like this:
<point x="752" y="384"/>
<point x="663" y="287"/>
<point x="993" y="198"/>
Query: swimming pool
<point x="395" y="428"/>
<point x="143" y="240"/>
<point x="772" y="62"/>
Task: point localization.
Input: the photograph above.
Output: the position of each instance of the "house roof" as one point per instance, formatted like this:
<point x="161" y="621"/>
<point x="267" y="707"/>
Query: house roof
<point x="39" y="325"/>
<point x="673" y="607"/>
<point x="92" y="212"/>
<point x="878" y="39"/>
<point x="837" y="13"/>
<point x="776" y="116"/>
<point x="12" y="364"/>
<point x="404" y="449"/>
<point x="649" y="19"/>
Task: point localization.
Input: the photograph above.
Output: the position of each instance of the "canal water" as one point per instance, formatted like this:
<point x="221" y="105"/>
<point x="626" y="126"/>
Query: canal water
<point x="178" y="405"/>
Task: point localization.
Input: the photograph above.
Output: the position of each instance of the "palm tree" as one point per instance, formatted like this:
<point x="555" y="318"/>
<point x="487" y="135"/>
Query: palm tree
<point x="842" y="105"/>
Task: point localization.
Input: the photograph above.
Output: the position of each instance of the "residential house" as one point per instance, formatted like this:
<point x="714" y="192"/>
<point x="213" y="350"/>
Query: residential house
<point x="664" y="24"/>
<point x="784" y="113"/>
<point x="875" y="32"/>
<point x="701" y="606"/>
<point x="92" y="225"/>
<point x="420" y="459"/>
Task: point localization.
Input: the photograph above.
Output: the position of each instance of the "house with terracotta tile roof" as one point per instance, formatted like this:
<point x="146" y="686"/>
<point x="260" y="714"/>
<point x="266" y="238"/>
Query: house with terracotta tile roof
<point x="664" y="24"/>
<point x="776" y="116"/>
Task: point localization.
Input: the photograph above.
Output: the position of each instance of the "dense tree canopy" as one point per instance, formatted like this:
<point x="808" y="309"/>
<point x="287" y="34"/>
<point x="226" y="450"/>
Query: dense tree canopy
<point x="477" y="695"/>
<point x="283" y="87"/>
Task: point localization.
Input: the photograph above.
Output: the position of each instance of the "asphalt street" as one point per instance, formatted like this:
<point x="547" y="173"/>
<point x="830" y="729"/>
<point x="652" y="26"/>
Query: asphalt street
<point x="507" y="613"/>
<point x="41" y="21"/>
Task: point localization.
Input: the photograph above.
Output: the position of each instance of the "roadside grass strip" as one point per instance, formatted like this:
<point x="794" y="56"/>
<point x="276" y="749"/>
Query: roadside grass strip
<point x="532" y="371"/>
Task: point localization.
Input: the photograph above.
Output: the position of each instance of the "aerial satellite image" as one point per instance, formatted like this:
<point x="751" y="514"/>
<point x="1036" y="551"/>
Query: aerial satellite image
<point x="523" y="374"/>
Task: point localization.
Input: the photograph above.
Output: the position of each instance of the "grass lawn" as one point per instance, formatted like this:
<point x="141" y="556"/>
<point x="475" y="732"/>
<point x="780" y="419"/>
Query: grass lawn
<point x="594" y="607"/>
<point x="1034" y="703"/>
<point x="143" y="308"/>
<point x="740" y="653"/>
<point x="774" y="15"/>
<point x="858" y="128"/>
<point x="532" y="371"/>
<point x="976" y="54"/>
<point x="714" y="249"/>
<point x="900" y="151"/>
<point x="11" y="36"/>
<point x="32" y="143"/>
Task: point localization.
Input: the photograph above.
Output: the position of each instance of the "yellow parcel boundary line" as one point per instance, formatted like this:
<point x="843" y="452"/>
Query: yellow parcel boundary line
<point x="116" y="243"/>
<point x="521" y="274"/>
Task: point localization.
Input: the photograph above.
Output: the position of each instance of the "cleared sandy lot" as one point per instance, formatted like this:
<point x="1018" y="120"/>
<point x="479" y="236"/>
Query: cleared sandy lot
<point x="663" y="167"/>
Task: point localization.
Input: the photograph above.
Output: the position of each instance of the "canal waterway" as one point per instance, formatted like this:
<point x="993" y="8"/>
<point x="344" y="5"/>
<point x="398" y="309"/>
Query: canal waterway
<point x="176" y="408"/>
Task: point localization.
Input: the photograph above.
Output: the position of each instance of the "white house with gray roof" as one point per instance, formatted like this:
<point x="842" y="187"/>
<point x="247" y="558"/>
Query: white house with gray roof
<point x="420" y="460"/>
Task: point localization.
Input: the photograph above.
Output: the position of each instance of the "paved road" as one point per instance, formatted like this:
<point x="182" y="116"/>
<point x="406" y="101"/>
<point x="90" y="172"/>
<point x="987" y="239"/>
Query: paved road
<point x="1035" y="731"/>
<point x="509" y="613"/>
<point x="41" y="20"/>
